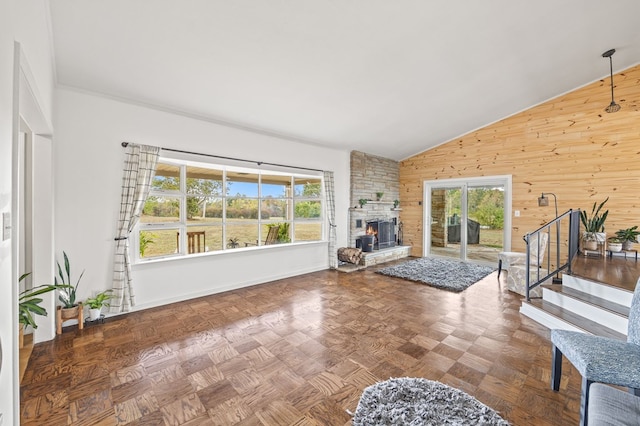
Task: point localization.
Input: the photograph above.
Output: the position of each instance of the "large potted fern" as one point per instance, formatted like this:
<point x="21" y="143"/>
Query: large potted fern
<point x="594" y="226"/>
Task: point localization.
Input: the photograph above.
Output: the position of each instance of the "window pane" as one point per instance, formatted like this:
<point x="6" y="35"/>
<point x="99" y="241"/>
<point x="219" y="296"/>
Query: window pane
<point x="272" y="209"/>
<point x="242" y="184"/>
<point x="167" y="177"/>
<point x="214" y="209"/>
<point x="204" y="210"/>
<point x="242" y="232"/>
<point x="274" y="186"/>
<point x="308" y="209"/>
<point x="308" y="231"/>
<point x="160" y="242"/>
<point x="161" y="209"/>
<point x="308" y="187"/>
<point x="242" y="208"/>
<point x="203" y="187"/>
<point x="204" y="238"/>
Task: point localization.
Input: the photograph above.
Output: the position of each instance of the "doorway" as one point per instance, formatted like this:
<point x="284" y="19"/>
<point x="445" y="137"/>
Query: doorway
<point x="467" y="219"/>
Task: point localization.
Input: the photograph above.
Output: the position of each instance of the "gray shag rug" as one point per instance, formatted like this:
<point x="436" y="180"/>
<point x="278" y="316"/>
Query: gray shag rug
<point x="415" y="401"/>
<point x="452" y="275"/>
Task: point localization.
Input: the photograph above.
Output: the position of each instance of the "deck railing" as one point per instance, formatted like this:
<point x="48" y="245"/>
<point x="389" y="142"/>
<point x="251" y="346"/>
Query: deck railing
<point x="563" y="234"/>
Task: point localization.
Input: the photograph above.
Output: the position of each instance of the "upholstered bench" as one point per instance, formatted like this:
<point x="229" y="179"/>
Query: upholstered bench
<point x="612" y="407"/>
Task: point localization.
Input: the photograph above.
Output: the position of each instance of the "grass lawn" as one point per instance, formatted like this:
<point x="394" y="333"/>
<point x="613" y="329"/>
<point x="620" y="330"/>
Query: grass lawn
<point x="165" y="241"/>
<point x="492" y="238"/>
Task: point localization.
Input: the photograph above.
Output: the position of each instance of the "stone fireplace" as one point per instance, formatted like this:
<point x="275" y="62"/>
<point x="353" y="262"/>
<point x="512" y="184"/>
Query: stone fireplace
<point x="369" y="175"/>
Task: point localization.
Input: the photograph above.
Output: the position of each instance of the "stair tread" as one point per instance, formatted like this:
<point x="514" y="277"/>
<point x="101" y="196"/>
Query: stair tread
<point x="605" y="304"/>
<point x="577" y="320"/>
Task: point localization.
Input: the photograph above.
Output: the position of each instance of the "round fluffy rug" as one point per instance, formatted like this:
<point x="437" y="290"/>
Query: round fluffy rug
<point x="414" y="401"/>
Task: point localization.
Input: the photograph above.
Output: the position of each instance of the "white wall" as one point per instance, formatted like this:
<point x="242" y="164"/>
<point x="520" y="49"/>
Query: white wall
<point x="25" y="22"/>
<point x="88" y="161"/>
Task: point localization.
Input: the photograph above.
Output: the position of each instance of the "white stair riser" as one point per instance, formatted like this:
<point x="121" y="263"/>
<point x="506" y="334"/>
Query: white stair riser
<point x="602" y="291"/>
<point x="594" y="313"/>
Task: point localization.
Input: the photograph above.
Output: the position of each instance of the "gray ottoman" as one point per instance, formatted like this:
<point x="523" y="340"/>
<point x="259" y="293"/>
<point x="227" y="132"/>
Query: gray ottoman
<point x="609" y="406"/>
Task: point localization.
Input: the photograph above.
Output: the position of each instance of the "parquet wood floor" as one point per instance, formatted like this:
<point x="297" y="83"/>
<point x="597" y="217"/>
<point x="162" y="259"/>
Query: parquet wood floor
<point x="297" y="351"/>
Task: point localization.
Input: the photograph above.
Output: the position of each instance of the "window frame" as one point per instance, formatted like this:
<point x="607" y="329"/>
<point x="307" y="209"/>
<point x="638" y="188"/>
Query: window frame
<point x="183" y="224"/>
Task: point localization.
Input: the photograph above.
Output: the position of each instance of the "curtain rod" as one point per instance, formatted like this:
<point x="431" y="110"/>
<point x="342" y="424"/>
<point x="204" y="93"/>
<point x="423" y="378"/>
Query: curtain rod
<point x="259" y="163"/>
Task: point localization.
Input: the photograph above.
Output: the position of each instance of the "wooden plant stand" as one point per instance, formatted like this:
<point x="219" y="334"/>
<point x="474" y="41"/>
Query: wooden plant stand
<point x="60" y="318"/>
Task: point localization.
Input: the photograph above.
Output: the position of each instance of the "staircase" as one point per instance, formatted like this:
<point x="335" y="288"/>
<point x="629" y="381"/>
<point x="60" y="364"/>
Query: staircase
<point x="595" y="294"/>
<point x="580" y="304"/>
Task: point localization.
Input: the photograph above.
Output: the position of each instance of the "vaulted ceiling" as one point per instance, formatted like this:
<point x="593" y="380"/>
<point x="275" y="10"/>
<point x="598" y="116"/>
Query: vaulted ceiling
<point x="391" y="78"/>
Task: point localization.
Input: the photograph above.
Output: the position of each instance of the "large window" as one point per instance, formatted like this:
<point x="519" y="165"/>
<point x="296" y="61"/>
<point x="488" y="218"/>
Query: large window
<point x="196" y="208"/>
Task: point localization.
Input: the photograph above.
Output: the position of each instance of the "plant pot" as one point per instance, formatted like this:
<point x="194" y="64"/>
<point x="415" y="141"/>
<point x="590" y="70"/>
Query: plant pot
<point x="70" y="313"/>
<point x="627" y="245"/>
<point x="601" y="237"/>
<point x="590" y="245"/>
<point x="615" y="247"/>
<point x="94" y="314"/>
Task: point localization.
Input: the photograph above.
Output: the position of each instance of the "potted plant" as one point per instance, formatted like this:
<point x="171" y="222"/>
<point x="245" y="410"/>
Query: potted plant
<point x="628" y="237"/>
<point x="29" y="305"/>
<point x="396" y="203"/>
<point x="362" y="202"/>
<point x="614" y="244"/>
<point x="379" y="195"/>
<point x="97" y="302"/>
<point x="594" y="225"/>
<point x="67" y="291"/>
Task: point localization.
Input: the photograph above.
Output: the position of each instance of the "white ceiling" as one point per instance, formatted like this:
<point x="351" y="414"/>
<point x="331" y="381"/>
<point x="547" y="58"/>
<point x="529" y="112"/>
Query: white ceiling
<point x="391" y="78"/>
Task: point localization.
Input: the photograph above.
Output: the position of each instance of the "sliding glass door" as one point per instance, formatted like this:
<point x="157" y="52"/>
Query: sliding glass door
<point x="467" y="219"/>
<point x="445" y="209"/>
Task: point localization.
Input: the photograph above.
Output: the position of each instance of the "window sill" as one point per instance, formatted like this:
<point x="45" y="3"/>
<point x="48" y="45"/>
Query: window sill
<point x="226" y="252"/>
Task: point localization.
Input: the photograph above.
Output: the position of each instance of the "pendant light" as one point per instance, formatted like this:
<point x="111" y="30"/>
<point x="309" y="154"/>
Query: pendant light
<point x="613" y="107"/>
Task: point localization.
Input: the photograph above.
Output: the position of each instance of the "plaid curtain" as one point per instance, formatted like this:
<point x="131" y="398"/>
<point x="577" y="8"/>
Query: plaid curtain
<point x="331" y="213"/>
<point x="139" y="169"/>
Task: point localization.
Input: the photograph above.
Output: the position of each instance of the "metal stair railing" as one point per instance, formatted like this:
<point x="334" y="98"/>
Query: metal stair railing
<point x="567" y="230"/>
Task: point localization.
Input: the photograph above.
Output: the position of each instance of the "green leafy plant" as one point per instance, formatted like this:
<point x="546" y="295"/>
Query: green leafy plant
<point x="595" y="221"/>
<point x="396" y="203"/>
<point x="99" y="300"/>
<point x="629" y="234"/>
<point x="67" y="291"/>
<point x="283" y="231"/>
<point x="29" y="303"/>
<point x="362" y="202"/>
<point x="379" y="195"/>
<point x="146" y="238"/>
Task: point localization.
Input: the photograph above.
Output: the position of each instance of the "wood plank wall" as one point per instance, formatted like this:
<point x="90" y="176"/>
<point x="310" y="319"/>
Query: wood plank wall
<point x="569" y="146"/>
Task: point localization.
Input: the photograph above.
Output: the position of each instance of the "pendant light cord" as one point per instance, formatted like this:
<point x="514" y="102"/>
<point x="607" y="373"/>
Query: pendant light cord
<point x="611" y="74"/>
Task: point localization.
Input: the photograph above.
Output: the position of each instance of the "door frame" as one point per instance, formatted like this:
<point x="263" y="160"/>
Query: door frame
<point x="29" y="116"/>
<point x="464" y="183"/>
